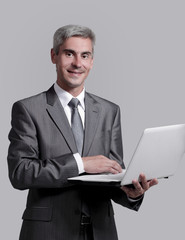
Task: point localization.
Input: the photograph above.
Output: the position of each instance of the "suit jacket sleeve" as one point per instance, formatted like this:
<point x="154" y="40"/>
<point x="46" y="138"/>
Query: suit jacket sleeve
<point x="116" y="153"/>
<point x="26" y="169"/>
<point x="116" y="149"/>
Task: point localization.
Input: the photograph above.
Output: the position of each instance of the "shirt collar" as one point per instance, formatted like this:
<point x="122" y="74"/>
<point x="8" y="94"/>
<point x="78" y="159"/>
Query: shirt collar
<point x="66" y="97"/>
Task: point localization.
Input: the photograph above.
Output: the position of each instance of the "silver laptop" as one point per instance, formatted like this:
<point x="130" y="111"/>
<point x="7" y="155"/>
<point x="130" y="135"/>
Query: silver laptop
<point x="157" y="155"/>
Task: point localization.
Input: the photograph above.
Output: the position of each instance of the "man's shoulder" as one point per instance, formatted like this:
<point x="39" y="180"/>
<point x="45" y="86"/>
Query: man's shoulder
<point x="39" y="98"/>
<point x="32" y="103"/>
<point x="104" y="102"/>
<point x="32" y="100"/>
<point x="36" y="97"/>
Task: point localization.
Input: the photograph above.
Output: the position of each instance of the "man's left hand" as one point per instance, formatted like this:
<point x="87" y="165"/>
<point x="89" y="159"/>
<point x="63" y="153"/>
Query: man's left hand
<point x="139" y="187"/>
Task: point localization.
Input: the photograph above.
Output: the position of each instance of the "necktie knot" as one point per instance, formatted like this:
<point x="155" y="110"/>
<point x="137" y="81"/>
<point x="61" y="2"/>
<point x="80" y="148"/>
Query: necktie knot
<point x="74" y="103"/>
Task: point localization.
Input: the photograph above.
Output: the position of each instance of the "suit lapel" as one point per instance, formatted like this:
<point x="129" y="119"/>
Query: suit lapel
<point x="58" y="116"/>
<point x="92" y="113"/>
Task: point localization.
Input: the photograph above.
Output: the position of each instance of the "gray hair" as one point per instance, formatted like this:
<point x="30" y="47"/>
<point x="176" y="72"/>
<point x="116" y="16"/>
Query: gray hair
<point x="68" y="31"/>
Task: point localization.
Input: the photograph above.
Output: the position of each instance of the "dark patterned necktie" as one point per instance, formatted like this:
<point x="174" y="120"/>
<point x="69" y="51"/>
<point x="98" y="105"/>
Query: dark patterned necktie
<point x="76" y="124"/>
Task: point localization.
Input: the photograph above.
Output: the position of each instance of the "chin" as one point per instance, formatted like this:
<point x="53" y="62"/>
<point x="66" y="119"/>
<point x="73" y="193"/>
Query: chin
<point x="75" y="84"/>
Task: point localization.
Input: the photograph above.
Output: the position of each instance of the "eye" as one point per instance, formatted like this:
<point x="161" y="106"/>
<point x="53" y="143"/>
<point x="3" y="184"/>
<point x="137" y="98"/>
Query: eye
<point x="85" y="56"/>
<point x="68" y="54"/>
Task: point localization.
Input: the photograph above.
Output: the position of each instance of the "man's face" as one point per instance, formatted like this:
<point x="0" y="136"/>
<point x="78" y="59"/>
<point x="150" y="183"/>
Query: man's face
<point x="73" y="63"/>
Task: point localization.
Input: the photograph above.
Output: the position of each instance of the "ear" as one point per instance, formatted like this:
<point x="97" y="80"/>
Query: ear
<point x="53" y="56"/>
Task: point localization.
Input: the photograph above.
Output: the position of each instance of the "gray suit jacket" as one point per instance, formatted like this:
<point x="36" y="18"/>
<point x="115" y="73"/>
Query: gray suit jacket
<point x="40" y="159"/>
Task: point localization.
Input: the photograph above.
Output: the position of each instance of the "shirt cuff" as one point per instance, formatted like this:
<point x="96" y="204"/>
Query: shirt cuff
<point x="79" y="162"/>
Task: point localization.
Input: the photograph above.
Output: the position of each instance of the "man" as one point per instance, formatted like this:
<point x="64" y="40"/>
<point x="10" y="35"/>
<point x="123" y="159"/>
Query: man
<point x="62" y="133"/>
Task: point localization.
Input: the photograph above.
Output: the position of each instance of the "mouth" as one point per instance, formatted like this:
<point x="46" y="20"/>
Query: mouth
<point x="77" y="73"/>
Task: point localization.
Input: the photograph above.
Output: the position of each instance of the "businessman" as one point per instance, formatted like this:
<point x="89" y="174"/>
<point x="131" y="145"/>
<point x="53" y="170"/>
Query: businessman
<point x="61" y="133"/>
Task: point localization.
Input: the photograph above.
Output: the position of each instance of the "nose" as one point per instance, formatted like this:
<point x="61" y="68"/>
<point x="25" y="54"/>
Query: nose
<point x="77" y="61"/>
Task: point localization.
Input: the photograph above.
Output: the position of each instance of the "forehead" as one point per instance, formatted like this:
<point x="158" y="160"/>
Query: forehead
<point x="77" y="44"/>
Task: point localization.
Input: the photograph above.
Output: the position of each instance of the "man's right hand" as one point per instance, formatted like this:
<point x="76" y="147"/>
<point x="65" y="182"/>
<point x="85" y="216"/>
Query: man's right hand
<point x="100" y="164"/>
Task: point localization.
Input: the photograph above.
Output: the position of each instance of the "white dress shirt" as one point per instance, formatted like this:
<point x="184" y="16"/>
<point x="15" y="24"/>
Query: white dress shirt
<point x="65" y="98"/>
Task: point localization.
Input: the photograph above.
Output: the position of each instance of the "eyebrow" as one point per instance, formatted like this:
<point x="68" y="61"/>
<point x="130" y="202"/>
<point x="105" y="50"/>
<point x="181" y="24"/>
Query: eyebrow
<point x="72" y="51"/>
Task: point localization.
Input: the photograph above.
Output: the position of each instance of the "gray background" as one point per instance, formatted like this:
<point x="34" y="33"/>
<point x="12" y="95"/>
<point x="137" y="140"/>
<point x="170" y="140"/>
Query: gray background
<point x="139" y="64"/>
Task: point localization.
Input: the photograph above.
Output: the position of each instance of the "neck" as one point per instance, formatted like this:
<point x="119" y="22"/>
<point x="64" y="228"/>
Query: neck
<point x="74" y="91"/>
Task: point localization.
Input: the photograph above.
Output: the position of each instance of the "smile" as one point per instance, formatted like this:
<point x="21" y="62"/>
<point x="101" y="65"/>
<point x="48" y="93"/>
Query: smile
<point x="73" y="72"/>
